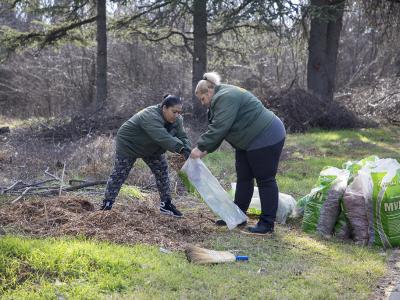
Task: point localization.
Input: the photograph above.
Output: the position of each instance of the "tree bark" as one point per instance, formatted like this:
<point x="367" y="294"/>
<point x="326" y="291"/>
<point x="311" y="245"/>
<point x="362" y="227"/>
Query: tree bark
<point x="101" y="61"/>
<point x="323" y="48"/>
<point x="199" y="53"/>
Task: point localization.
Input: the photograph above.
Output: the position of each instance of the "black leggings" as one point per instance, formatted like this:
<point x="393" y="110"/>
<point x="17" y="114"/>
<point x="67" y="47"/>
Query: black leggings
<point x="123" y="165"/>
<point x="261" y="164"/>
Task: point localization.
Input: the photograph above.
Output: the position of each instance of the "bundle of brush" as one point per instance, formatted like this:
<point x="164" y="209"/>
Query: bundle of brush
<point x="199" y="255"/>
<point x="176" y="161"/>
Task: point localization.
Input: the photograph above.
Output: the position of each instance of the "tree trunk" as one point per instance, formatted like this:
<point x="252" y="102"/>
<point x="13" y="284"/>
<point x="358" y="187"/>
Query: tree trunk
<point x="323" y="48"/>
<point x="199" y="52"/>
<point x="101" y="62"/>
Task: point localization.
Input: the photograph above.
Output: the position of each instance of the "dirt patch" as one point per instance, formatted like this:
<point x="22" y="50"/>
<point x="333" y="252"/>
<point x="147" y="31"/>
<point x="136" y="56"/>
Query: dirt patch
<point x="387" y="284"/>
<point x="138" y="222"/>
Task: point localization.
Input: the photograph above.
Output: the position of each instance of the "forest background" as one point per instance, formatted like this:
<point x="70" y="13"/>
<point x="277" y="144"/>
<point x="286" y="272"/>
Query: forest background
<point x="72" y="71"/>
<point x="67" y="58"/>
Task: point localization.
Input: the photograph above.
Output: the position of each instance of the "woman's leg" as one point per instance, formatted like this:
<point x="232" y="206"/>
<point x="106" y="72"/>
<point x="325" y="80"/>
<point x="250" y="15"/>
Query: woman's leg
<point x="264" y="165"/>
<point x="159" y="167"/>
<point x="121" y="169"/>
<point x="245" y="181"/>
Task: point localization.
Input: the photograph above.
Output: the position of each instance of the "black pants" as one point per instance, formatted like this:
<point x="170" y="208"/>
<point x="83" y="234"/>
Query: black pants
<point x="261" y="164"/>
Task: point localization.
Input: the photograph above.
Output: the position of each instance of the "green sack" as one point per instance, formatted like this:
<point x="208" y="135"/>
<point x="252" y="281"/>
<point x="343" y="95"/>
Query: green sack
<point x="386" y="208"/>
<point x="322" y="203"/>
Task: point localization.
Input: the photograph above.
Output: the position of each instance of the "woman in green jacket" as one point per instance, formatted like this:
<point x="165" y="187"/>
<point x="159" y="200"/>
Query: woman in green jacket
<point x="147" y="135"/>
<point x="257" y="135"/>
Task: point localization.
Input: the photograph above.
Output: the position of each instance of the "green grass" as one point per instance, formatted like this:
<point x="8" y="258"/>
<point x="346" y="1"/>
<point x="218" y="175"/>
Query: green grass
<point x="131" y="191"/>
<point x="291" y="265"/>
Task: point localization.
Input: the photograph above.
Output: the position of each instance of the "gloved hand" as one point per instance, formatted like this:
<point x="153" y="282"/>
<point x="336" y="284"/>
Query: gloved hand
<point x="186" y="153"/>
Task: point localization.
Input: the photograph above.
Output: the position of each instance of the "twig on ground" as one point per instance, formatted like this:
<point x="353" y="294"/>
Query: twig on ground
<point x="44" y="190"/>
<point x="51" y="175"/>
<point x="19" y="197"/>
<point x="62" y="180"/>
<point x="11" y="186"/>
<point x="15" y="187"/>
<point x="74" y="188"/>
<point x="72" y="181"/>
<point x="46" y="214"/>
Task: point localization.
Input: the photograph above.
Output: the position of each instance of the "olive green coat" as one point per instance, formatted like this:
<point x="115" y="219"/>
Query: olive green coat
<point x="235" y="115"/>
<point x="147" y="133"/>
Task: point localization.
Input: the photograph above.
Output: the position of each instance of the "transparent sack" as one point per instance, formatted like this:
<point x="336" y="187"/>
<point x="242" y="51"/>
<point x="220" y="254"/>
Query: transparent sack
<point x="212" y="193"/>
<point x="286" y="204"/>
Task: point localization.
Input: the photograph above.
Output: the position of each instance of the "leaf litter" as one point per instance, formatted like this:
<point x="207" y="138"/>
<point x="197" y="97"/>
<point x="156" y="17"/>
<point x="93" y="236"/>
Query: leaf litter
<point x="127" y="223"/>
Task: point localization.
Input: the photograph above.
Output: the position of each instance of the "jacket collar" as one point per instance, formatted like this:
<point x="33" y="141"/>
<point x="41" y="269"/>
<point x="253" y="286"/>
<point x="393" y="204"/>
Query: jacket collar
<point x="159" y="109"/>
<point x="216" y="90"/>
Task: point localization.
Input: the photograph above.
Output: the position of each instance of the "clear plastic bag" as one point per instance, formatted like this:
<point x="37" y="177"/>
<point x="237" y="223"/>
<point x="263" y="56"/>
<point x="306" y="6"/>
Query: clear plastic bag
<point x="286" y="204"/>
<point x="212" y="193"/>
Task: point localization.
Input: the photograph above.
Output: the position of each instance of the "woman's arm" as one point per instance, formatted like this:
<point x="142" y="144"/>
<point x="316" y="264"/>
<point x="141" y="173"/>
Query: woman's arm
<point x="159" y="134"/>
<point x="182" y="135"/>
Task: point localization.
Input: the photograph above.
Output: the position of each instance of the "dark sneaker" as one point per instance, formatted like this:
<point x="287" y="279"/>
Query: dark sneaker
<point x="260" y="229"/>
<point x="221" y="222"/>
<point x="169" y="209"/>
<point x="107" y="205"/>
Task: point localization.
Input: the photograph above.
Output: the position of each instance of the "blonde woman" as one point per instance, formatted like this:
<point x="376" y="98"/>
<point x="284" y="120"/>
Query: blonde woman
<point x="257" y="135"/>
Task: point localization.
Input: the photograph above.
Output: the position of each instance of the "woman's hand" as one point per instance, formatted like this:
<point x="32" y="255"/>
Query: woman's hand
<point x="196" y="153"/>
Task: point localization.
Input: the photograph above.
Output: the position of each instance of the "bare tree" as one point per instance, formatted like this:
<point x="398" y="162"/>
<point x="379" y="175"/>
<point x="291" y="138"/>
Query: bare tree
<point x="101" y="70"/>
<point x="326" y="25"/>
<point x="199" y="49"/>
<point x="208" y="20"/>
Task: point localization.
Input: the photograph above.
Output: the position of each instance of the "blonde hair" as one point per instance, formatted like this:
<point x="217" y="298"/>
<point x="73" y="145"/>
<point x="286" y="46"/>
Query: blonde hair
<point x="210" y="81"/>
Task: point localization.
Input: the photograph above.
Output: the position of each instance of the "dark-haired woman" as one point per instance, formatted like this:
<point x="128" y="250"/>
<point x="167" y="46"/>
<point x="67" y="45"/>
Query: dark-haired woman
<point x="148" y="135"/>
<point x="257" y="135"/>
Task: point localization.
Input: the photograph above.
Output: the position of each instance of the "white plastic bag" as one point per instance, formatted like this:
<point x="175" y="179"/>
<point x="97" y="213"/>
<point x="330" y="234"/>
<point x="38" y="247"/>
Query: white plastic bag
<point x="212" y="193"/>
<point x="286" y="204"/>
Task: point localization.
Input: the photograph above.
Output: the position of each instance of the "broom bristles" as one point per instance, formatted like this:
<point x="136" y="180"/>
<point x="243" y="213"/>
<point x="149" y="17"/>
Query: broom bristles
<point x="205" y="256"/>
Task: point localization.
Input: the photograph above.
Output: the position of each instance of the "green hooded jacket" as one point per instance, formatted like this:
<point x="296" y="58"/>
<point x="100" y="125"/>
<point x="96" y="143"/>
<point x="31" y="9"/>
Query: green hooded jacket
<point x="148" y="133"/>
<point x="235" y="115"/>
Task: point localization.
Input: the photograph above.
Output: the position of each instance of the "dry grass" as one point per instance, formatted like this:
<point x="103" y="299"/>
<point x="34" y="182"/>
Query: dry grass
<point x="139" y="220"/>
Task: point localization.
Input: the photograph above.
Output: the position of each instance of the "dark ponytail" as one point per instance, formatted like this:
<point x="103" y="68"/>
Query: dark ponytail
<point x="171" y="100"/>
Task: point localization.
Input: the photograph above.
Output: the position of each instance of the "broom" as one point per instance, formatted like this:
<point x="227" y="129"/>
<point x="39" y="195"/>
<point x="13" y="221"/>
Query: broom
<point x="199" y="255"/>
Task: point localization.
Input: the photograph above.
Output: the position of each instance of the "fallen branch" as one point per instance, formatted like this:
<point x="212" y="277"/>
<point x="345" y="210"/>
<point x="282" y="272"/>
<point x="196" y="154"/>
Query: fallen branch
<point x="11" y="187"/>
<point x="51" y="175"/>
<point x="87" y="184"/>
<point x="44" y="190"/>
<point x="20" y="197"/>
<point x="62" y="181"/>
<point x="71" y="188"/>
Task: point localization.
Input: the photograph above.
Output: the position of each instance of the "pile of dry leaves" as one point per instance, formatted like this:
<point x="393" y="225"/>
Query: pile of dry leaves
<point x="138" y="222"/>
